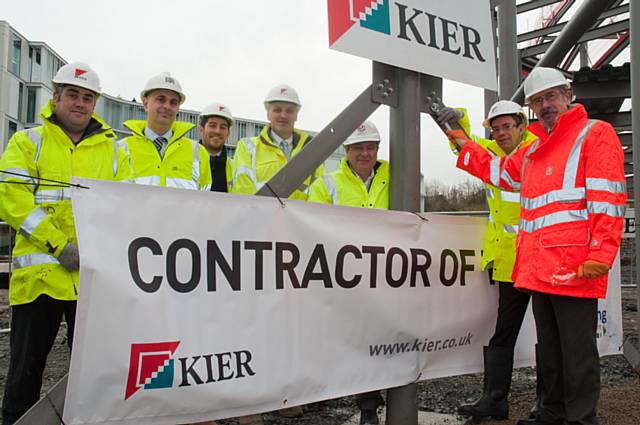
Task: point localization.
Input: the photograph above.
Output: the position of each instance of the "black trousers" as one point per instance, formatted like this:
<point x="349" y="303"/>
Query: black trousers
<point x="569" y="360"/>
<point x="512" y="306"/>
<point x="370" y="400"/>
<point x="34" y="327"/>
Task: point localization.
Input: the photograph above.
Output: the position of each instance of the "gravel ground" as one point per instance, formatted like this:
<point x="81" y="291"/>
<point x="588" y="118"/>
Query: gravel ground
<point x="619" y="401"/>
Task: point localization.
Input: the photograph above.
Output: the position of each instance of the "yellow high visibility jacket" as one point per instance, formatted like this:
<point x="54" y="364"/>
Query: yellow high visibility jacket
<point x="499" y="246"/>
<point x="257" y="159"/>
<point x="344" y="187"/>
<point x="185" y="163"/>
<point x="40" y="211"/>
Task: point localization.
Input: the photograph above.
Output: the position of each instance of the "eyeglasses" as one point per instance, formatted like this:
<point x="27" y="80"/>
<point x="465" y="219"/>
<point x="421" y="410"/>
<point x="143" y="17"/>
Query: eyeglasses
<point x="505" y="127"/>
<point x="549" y="97"/>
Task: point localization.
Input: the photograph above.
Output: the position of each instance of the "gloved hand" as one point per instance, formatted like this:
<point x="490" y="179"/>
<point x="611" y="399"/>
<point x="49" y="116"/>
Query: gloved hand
<point x="449" y="115"/>
<point x="69" y="257"/>
<point x="591" y="269"/>
<point x="458" y="138"/>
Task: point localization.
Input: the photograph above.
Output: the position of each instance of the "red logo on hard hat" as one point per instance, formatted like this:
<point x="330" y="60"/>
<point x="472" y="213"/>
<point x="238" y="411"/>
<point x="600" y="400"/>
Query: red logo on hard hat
<point x="79" y="72"/>
<point x="283" y="90"/>
<point x="362" y="128"/>
<point x="220" y="108"/>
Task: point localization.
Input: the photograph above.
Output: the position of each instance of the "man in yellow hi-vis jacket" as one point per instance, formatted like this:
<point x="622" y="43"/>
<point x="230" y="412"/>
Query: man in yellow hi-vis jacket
<point x="259" y="158"/>
<point x="71" y="142"/>
<point x="361" y="181"/>
<point x="507" y="122"/>
<point x="161" y="154"/>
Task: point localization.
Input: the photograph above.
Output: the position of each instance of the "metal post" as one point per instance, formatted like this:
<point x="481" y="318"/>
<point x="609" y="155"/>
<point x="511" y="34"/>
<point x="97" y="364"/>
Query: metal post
<point x="579" y="23"/>
<point x="634" y="16"/>
<point x="508" y="63"/>
<point x="404" y="152"/>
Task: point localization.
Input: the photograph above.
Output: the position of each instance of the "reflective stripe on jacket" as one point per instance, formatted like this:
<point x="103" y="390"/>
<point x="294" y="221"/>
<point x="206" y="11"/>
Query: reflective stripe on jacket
<point x="572" y="196"/>
<point x="257" y="159"/>
<point x="185" y="163"/>
<point x="499" y="246"/>
<point x="344" y="187"/>
<point x="40" y="211"/>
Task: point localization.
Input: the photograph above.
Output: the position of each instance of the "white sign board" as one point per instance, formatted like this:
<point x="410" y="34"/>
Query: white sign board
<point x="200" y="305"/>
<point x="448" y="39"/>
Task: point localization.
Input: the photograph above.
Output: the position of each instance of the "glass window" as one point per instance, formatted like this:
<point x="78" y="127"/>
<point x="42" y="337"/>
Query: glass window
<point x="242" y="130"/>
<point x="37" y="67"/>
<point x="31" y="105"/>
<point x="20" y="102"/>
<point x="13" y="127"/>
<point x="16" y="50"/>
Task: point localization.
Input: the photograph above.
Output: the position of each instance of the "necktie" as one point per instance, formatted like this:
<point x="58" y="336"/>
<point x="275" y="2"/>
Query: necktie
<point x="159" y="143"/>
<point x="285" y="148"/>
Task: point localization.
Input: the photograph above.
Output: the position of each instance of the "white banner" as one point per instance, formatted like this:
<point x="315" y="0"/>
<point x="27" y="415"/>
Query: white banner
<point x="199" y="305"/>
<point x="449" y="39"/>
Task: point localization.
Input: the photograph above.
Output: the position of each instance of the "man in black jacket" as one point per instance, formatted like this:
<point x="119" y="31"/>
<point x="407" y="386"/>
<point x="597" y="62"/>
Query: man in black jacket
<point x="215" y="125"/>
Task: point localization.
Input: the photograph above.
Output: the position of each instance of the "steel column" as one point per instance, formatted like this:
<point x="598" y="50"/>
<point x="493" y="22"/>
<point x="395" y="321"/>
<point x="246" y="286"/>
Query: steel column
<point x="509" y="66"/>
<point x="630" y="351"/>
<point x="404" y="152"/>
<point x="584" y="18"/>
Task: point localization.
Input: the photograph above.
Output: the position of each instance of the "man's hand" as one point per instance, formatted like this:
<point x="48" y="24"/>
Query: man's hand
<point x="458" y="138"/>
<point x="591" y="269"/>
<point x="69" y="257"/>
<point x="449" y="115"/>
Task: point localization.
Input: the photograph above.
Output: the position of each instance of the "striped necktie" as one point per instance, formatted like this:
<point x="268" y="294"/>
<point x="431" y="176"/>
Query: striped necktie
<point x="285" y="148"/>
<point x="159" y="143"/>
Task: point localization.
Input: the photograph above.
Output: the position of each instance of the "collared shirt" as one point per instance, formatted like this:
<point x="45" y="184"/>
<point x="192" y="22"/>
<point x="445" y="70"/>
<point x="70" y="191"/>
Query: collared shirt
<point x="279" y="141"/>
<point x="152" y="135"/>
<point x="367" y="182"/>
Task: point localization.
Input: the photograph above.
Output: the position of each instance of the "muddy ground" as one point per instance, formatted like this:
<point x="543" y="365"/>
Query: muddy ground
<point x="619" y="401"/>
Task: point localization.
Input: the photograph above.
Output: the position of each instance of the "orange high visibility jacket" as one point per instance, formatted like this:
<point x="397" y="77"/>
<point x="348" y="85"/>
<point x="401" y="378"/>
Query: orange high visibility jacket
<point x="572" y="201"/>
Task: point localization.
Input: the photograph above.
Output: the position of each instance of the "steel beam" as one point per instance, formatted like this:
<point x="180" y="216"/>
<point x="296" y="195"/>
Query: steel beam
<point x="509" y="67"/>
<point x="534" y="4"/>
<point x="584" y="18"/>
<point x="634" y="16"/>
<point x="602" y="90"/>
<point x="301" y="166"/>
<point x="404" y="144"/>
<point x="594" y="34"/>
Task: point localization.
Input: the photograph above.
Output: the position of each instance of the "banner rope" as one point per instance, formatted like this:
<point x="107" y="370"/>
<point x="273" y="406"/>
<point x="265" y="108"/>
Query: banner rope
<point x="58" y="183"/>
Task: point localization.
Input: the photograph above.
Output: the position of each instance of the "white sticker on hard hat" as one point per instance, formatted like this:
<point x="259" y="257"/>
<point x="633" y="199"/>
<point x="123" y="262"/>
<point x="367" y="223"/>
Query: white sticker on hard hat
<point x="467" y="156"/>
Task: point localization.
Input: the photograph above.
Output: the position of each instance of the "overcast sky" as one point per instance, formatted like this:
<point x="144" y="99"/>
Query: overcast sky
<point x="227" y="51"/>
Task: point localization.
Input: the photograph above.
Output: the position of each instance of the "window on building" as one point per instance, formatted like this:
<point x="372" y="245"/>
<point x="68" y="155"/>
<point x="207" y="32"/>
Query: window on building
<point x="31" y="105"/>
<point x="259" y="128"/>
<point x="16" y="52"/>
<point x="242" y="130"/>
<point x="37" y="66"/>
<point x="11" y="129"/>
<point x="20" y="102"/>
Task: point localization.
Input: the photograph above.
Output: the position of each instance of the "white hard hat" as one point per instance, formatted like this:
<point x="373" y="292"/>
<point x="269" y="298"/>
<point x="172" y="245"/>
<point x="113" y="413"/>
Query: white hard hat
<point x="505" y="107"/>
<point x="366" y="132"/>
<point x="164" y="80"/>
<point x="217" y="110"/>
<point x="78" y="74"/>
<point x="542" y="78"/>
<point x="282" y="93"/>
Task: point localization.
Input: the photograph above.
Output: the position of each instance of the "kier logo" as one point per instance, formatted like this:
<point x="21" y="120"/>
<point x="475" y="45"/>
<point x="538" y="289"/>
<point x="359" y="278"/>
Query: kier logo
<point x="283" y="90"/>
<point x="370" y="14"/>
<point x="150" y="366"/>
<point x="79" y="72"/>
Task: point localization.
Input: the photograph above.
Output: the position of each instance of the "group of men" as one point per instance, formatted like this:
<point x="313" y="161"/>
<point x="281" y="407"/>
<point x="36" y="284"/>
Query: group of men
<point x="38" y="164"/>
<point x="555" y="190"/>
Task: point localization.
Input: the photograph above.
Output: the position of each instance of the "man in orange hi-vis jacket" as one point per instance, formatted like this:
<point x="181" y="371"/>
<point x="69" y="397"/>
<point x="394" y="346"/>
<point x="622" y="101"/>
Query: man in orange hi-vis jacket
<point x="572" y="198"/>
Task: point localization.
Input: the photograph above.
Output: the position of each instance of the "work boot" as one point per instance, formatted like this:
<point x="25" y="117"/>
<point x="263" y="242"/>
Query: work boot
<point x="498" y="366"/>
<point x="369" y="417"/>
<point x="251" y="420"/>
<point x="291" y="412"/>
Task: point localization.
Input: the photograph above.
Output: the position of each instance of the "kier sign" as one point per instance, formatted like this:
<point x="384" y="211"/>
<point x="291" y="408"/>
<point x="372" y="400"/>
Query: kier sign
<point x="449" y="39"/>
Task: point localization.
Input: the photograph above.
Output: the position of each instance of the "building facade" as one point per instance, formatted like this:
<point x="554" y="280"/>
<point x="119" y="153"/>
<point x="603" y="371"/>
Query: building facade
<point x="26" y="70"/>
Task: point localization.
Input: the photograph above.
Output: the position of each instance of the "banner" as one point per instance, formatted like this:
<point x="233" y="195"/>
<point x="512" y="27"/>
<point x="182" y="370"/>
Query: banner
<point x="448" y="39"/>
<point x="201" y="305"/>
